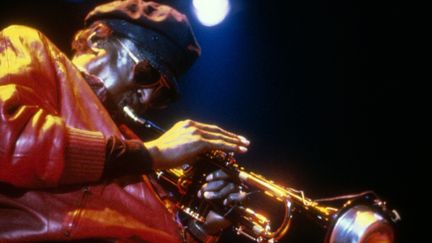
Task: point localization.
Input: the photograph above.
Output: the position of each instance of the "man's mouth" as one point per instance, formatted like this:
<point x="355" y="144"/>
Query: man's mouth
<point x="136" y="100"/>
<point x="140" y="95"/>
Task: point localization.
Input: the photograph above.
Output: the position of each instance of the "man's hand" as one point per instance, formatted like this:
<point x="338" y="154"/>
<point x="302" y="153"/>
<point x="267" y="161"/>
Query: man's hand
<point x="219" y="187"/>
<point x="187" y="139"/>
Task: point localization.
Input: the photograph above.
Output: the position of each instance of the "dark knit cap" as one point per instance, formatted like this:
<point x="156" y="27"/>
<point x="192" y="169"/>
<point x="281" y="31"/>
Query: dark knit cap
<point x="162" y="34"/>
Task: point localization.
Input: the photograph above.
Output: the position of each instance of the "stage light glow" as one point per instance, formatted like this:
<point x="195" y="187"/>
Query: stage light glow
<point x="211" y="12"/>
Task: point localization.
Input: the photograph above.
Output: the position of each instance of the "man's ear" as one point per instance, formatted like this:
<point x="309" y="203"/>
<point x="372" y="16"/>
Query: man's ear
<point x="99" y="30"/>
<point x="85" y="39"/>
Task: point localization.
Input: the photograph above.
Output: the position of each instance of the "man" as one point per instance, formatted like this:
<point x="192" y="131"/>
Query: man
<point x="69" y="169"/>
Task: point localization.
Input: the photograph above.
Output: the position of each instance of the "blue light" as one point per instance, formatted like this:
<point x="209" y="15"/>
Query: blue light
<point x="211" y="12"/>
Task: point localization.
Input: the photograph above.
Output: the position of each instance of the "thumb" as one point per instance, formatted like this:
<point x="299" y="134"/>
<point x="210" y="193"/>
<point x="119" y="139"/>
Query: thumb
<point x="215" y="223"/>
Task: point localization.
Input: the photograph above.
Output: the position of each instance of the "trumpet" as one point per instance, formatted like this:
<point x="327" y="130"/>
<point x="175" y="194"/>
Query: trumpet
<point x="362" y="217"/>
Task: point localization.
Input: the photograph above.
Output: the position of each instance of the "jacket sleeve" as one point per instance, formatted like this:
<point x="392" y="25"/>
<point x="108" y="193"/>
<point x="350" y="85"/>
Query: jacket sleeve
<point x="37" y="149"/>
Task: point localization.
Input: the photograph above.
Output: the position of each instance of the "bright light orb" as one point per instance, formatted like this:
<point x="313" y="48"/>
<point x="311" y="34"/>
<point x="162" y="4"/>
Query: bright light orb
<point x="211" y="12"/>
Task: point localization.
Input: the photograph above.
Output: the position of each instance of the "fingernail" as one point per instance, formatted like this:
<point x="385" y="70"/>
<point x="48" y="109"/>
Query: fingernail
<point x="208" y="195"/>
<point x="244" y="140"/>
<point x="199" y="194"/>
<point x="209" y="177"/>
<point x="243" y="149"/>
<point x="225" y="202"/>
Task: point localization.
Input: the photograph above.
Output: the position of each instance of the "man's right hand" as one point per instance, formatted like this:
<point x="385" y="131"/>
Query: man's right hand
<point x="187" y="139"/>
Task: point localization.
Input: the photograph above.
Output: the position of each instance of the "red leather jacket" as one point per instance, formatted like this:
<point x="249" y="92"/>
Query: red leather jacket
<point x="53" y="132"/>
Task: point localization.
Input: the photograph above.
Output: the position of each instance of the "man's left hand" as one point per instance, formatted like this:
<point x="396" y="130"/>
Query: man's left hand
<point x="219" y="186"/>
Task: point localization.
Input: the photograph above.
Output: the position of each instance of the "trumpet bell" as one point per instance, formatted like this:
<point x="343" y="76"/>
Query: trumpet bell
<point x="361" y="224"/>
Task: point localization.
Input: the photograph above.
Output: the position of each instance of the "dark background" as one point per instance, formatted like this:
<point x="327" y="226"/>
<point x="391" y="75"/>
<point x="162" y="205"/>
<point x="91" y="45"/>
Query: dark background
<point x="319" y="87"/>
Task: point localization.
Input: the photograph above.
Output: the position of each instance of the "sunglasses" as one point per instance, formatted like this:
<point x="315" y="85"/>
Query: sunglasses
<point x="146" y="76"/>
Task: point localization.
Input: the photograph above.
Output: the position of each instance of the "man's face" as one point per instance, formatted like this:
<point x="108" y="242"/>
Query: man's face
<point x="129" y="80"/>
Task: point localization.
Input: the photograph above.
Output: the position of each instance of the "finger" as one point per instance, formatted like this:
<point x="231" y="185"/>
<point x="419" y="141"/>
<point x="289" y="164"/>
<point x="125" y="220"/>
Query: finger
<point x="220" y="194"/>
<point x="216" y="129"/>
<point x="229" y="139"/>
<point x="217" y="175"/>
<point x="213" y="128"/>
<point x="235" y="198"/>
<point x="214" y="185"/>
<point x="211" y="186"/>
<point x="222" y="145"/>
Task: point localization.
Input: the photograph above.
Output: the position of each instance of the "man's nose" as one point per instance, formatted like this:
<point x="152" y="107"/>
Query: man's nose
<point x="146" y="74"/>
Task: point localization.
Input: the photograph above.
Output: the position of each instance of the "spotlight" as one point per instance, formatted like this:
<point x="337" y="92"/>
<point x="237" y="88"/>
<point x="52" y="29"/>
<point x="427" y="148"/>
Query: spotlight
<point x="211" y="12"/>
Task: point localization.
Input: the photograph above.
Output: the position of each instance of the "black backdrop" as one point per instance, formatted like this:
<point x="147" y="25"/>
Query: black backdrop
<point x="318" y="87"/>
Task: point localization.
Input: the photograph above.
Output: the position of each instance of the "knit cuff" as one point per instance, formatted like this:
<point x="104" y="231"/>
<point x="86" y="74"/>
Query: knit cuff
<point x="84" y="156"/>
<point x="126" y="157"/>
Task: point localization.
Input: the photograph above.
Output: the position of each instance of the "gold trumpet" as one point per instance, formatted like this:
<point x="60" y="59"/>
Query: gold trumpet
<point x="361" y="217"/>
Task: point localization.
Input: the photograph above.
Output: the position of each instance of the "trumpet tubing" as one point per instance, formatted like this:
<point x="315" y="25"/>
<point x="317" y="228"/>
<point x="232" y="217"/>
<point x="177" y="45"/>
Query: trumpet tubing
<point x="362" y="218"/>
